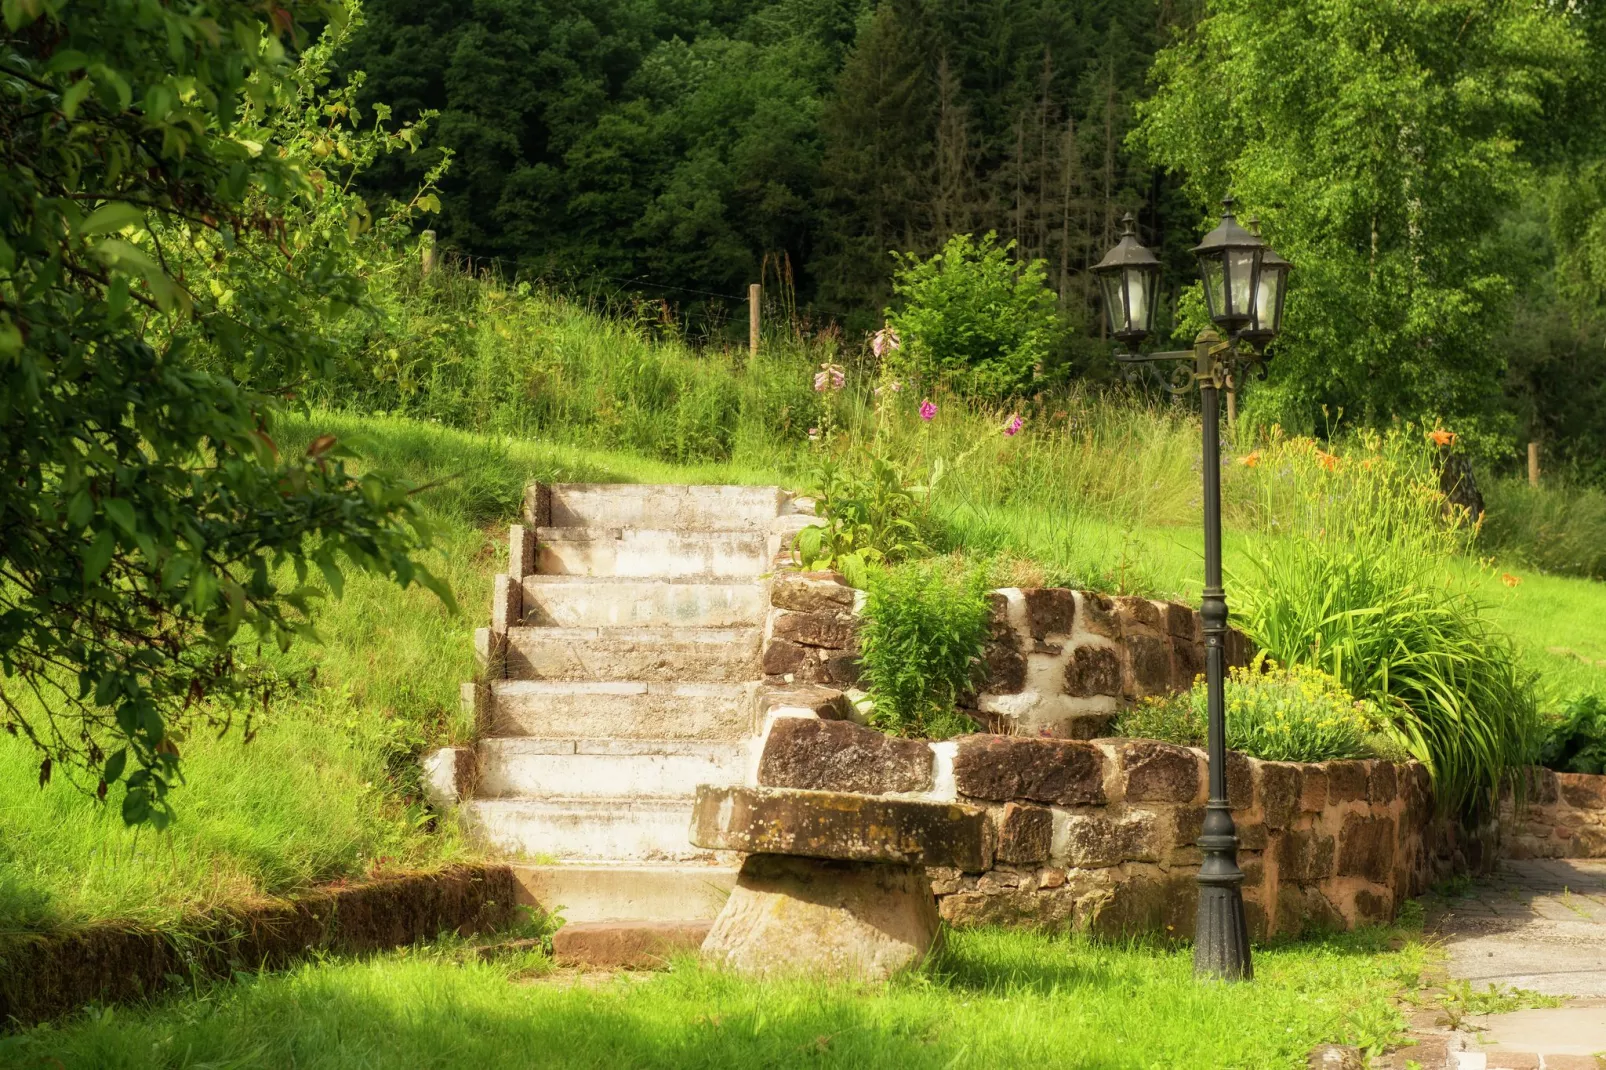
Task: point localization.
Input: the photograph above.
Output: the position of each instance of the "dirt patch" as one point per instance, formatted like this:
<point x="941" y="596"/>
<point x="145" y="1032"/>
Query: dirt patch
<point x="48" y="975"/>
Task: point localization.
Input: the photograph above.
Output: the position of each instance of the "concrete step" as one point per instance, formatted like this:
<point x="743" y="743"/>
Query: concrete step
<point x="630" y="830"/>
<point x="597" y="602"/>
<point x="588" y="892"/>
<point x="632" y="709"/>
<point x="628" y="945"/>
<point x="672" y="506"/>
<point x="713" y="655"/>
<point x="650" y="552"/>
<point x="606" y="768"/>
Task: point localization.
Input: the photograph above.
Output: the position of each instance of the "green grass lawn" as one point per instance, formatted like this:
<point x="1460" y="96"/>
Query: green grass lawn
<point x="994" y="999"/>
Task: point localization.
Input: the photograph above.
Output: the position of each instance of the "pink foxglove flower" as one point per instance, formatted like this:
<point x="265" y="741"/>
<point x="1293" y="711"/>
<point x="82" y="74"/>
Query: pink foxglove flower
<point x="1013" y="427"/>
<point x="928" y="410"/>
<point x="829" y="377"/>
<point x="884" y="341"/>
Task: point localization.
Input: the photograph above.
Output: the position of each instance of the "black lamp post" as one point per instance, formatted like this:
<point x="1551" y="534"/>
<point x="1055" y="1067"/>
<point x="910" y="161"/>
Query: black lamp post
<point x="1244" y="281"/>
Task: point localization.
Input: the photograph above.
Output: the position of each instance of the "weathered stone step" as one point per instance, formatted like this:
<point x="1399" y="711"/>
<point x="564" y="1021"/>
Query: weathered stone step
<point x="609" y="892"/>
<point x="655" y="653"/>
<point x="626" y="830"/>
<point x="627" y="945"/>
<point x="606" y="768"/>
<point x="593" y="602"/>
<point x="683" y="508"/>
<point x="633" y="709"/>
<point x="650" y="552"/>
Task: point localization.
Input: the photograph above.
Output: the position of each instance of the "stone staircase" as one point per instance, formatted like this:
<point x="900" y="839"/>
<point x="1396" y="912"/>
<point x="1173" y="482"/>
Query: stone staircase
<point x="621" y="667"/>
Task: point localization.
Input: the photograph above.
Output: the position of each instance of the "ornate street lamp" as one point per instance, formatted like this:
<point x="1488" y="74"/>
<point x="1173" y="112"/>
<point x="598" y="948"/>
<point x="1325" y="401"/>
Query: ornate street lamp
<point x="1244" y="282"/>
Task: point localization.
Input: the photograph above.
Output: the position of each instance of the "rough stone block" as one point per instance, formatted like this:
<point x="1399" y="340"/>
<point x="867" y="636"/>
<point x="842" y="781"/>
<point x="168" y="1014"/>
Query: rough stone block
<point x="1371" y="907"/>
<point x="1366" y="848"/>
<point x="1240" y="780"/>
<point x="1252" y="835"/>
<point x="1187" y="662"/>
<point x="1098" y="615"/>
<point x="1238" y="648"/>
<point x="1149" y="665"/>
<point x="1094" y="841"/>
<point x="1335" y="1057"/>
<point x="1313" y="787"/>
<point x="1050" y="909"/>
<point x="1179" y="620"/>
<point x="1163" y="904"/>
<point x="1280" y="792"/>
<point x="812" y="592"/>
<point x="831" y="630"/>
<point x="448" y="776"/>
<point x="783" y="657"/>
<point x="826" y="703"/>
<point x="1189" y="823"/>
<point x="1025" y="834"/>
<point x="1138" y="616"/>
<point x="1092" y="670"/>
<point x="855" y="828"/>
<point x="1303" y="855"/>
<point x="1059" y="772"/>
<point x="1159" y="772"/>
<point x="1347" y="782"/>
<point x="801" y="752"/>
<point x="1383" y="787"/>
<point x="843" y="670"/>
<point x="1584" y="790"/>
<point x="847" y="920"/>
<point x="1050" y="611"/>
<point x="1005" y="672"/>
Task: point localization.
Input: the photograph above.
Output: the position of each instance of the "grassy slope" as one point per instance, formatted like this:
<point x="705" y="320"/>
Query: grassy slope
<point x="995" y="999"/>
<point x="325" y="790"/>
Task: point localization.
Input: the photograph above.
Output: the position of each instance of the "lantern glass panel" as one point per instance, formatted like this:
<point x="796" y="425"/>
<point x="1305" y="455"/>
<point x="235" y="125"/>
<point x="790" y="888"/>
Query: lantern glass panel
<point x="1114" y="306"/>
<point x="1241" y="278"/>
<point x="1138" y="285"/>
<point x="1269" y="299"/>
<point x="1210" y="268"/>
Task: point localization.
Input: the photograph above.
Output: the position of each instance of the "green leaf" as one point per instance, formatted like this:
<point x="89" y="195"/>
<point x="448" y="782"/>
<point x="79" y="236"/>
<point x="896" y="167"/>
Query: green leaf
<point x="114" y="766"/>
<point x="10" y="339"/>
<point x="98" y="555"/>
<point x="331" y="574"/>
<point x="110" y="217"/>
<point x="73" y="98"/>
<point x="120" y="513"/>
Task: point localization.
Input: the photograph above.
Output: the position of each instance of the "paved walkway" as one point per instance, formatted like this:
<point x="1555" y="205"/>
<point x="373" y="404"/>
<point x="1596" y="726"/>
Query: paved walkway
<point x="1536" y="925"/>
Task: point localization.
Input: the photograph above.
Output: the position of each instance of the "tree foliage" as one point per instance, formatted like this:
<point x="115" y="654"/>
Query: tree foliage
<point x="1380" y="141"/>
<point x="175" y="247"/>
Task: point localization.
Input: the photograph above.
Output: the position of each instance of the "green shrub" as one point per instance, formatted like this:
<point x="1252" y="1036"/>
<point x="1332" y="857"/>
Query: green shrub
<point x="925" y="623"/>
<point x="1559" y="528"/>
<point x="1293" y="714"/>
<point x="975" y="317"/>
<point x="871" y="516"/>
<point x="1367" y="595"/>
<point x="1575" y="739"/>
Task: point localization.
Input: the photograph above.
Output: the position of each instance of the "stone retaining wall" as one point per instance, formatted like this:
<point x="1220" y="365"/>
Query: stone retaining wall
<point x="1059" y="662"/>
<point x="1563" y="815"/>
<point x="1101" y="834"/>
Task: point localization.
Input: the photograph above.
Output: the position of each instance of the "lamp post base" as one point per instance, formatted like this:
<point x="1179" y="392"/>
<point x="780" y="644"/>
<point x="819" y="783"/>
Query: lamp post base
<point x="1221" y="944"/>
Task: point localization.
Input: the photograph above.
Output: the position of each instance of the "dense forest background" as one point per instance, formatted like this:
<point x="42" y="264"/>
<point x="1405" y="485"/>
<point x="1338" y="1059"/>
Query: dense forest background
<point x="685" y="148"/>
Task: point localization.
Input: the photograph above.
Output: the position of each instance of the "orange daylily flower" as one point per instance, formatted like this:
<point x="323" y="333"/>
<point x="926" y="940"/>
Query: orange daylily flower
<point x="1329" y="461"/>
<point x="1249" y="460"/>
<point x="1509" y="580"/>
<point x="1441" y="437"/>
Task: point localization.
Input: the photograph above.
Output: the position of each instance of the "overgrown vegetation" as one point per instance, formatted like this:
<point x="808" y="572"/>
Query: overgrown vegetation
<point x="1575" y="738"/>
<point x="925" y="623"/>
<point x="1292" y="714"/>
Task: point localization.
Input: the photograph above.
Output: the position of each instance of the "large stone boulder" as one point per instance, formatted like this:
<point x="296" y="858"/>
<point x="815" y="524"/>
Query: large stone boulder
<point x="851" y="920"/>
<point x="839" y="825"/>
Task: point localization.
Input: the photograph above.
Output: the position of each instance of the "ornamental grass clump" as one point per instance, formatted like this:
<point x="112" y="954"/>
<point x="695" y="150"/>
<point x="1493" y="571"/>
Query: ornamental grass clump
<point x="1292" y="714"/>
<point x="1366" y="591"/>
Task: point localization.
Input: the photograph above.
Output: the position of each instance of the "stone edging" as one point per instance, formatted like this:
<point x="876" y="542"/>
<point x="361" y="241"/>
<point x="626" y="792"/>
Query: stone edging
<point x="47" y="975"/>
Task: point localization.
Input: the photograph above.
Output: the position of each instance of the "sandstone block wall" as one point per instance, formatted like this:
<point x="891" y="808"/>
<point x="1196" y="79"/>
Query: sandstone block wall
<point x="1059" y="662"/>
<point x="1101" y="834"/>
<point x="1562" y="815"/>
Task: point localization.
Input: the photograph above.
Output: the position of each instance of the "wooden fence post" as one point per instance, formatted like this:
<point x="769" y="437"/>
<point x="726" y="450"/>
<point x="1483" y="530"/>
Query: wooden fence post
<point x="426" y="251"/>
<point x="753" y="292"/>
<point x="1533" y="463"/>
